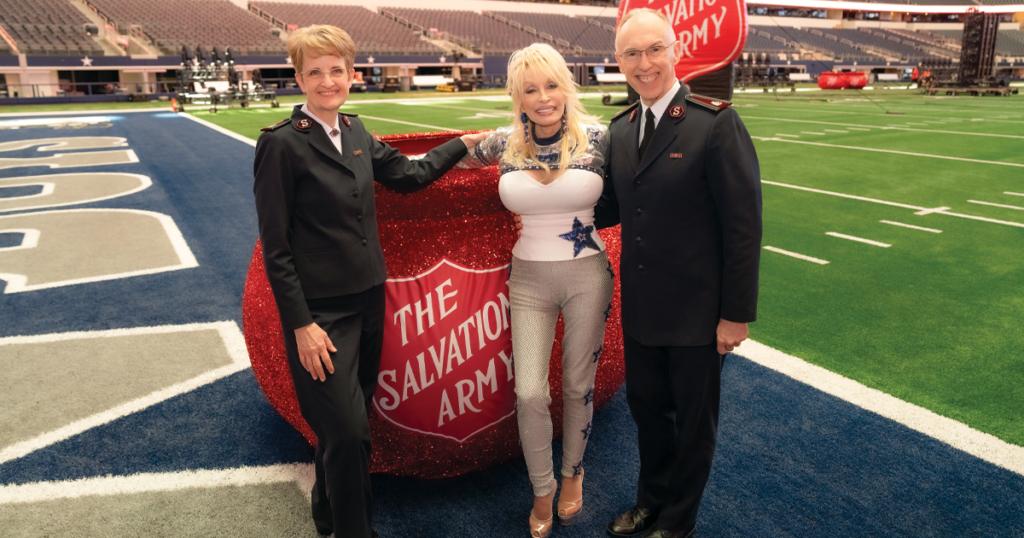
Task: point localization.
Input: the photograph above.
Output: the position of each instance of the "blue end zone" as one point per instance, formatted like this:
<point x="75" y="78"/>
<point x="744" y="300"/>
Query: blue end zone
<point x="203" y="180"/>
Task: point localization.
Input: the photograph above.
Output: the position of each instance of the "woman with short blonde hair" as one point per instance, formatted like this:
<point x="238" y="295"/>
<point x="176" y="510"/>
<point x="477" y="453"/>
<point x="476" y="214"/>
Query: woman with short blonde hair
<point x="314" y="187"/>
<point x="551" y="161"/>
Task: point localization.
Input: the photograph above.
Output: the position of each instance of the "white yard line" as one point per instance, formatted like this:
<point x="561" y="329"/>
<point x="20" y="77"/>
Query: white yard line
<point x="1018" y="208"/>
<point x="812" y="133"/>
<point x="932" y="230"/>
<point x="859" y="239"/>
<point x="891" y="126"/>
<point x="787" y="135"/>
<point x="822" y="144"/>
<point x="298" y="473"/>
<point x="220" y="129"/>
<point x="1013" y="193"/>
<point x="410" y="123"/>
<point x="834" y="131"/>
<point x="798" y="256"/>
<point x="858" y="129"/>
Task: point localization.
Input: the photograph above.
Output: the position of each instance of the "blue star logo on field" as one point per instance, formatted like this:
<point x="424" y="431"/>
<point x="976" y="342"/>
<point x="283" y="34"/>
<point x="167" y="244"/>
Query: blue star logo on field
<point x="581" y="236"/>
<point x="597" y="354"/>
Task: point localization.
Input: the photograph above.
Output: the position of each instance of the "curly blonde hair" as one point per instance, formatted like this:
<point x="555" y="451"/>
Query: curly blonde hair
<point x="545" y="60"/>
<point x="320" y="40"/>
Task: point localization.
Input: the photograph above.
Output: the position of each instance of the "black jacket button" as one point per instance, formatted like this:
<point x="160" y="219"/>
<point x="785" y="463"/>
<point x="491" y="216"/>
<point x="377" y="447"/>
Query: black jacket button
<point x="359" y="218"/>
<point x="640" y="267"/>
<point x="639" y="211"/>
<point x="363" y="242"/>
<point x="355" y="194"/>
<point x="638" y="239"/>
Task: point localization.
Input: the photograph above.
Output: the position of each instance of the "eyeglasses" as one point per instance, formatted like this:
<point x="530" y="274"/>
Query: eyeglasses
<point x="654" y="52"/>
<point x="316" y="75"/>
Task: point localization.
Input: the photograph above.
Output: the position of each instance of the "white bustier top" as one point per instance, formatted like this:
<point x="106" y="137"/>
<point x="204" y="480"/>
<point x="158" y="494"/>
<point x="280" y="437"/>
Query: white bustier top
<point x="558" y="218"/>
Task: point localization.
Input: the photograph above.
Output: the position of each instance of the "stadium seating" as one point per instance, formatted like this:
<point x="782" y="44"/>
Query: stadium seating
<point x="372" y="32"/>
<point x="47" y="27"/>
<point x="210" y="23"/>
<point x="819" y="40"/>
<point x="591" y="38"/>
<point x="1008" y="42"/>
<point x="486" y="33"/>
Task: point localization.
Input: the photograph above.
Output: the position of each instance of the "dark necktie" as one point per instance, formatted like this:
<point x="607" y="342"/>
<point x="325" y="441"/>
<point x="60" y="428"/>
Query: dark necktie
<point x="648" y="132"/>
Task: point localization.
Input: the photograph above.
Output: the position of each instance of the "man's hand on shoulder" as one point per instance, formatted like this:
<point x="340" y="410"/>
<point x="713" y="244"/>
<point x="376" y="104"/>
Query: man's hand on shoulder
<point x="730" y="335"/>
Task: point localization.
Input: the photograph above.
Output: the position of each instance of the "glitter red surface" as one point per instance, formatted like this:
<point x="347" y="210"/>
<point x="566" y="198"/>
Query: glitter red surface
<point x="460" y="218"/>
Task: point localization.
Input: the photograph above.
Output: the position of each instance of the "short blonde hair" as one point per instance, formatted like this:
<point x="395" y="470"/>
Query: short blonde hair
<point x="320" y="40"/>
<point x="544" y="59"/>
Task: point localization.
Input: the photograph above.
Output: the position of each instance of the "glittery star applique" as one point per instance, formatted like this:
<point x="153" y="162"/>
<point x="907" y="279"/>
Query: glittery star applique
<point x="581" y="237"/>
<point x="597" y="354"/>
<point x="588" y="397"/>
<point x="577" y="469"/>
<point x="586" y="432"/>
<point x="608" y="312"/>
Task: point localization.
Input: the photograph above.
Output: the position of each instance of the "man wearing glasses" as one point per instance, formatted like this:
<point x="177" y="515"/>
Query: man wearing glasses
<point x="683" y="180"/>
<point x="314" y="176"/>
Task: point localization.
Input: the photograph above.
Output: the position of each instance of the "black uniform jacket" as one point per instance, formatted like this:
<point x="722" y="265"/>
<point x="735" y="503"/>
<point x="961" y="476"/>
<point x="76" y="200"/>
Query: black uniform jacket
<point x="316" y="212"/>
<point x="691" y="221"/>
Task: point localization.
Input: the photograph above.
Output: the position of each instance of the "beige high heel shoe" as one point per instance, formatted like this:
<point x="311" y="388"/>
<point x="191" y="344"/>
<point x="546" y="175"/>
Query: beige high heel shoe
<point x="541" y="529"/>
<point x="569" y="510"/>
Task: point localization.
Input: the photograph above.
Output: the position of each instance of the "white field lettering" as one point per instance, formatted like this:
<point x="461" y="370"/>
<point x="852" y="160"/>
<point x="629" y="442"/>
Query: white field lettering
<point x="443" y="358"/>
<point x="699" y="11"/>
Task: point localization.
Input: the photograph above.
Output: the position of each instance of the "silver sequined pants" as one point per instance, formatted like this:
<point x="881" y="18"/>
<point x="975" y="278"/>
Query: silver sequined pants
<point x="581" y="289"/>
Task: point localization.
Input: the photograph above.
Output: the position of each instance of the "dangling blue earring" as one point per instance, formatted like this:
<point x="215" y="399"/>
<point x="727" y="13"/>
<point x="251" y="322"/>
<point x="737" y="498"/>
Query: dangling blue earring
<point x="526" y="125"/>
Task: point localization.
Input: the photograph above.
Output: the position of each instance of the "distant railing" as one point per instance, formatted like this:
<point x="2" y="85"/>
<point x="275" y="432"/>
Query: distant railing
<point x="81" y="89"/>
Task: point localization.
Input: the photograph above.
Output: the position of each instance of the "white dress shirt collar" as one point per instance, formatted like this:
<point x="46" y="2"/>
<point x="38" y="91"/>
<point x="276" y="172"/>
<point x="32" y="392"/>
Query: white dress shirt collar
<point x="336" y="140"/>
<point x="659" y="106"/>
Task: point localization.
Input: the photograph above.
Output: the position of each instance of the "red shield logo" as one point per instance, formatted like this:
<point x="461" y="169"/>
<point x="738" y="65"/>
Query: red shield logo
<point x="446" y="367"/>
<point x="712" y="32"/>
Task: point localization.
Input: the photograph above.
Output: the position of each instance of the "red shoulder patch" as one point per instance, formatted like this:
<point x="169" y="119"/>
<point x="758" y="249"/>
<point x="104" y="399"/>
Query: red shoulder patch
<point x="708" y="102"/>
<point x="632" y="115"/>
<point x="346" y="121"/>
<point x="276" y="126"/>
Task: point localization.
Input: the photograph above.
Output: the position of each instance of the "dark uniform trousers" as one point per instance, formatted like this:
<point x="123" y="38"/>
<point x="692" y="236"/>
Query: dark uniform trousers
<point x="690" y="211"/>
<point x="325" y="264"/>
<point x="336" y="409"/>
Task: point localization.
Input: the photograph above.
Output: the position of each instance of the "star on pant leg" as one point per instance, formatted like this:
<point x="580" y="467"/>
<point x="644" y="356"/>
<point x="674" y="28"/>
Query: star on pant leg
<point x="577" y="469"/>
<point x="597" y="354"/>
<point x="608" y="312"/>
<point x="588" y="397"/>
<point x="581" y="237"/>
<point x="586" y="432"/>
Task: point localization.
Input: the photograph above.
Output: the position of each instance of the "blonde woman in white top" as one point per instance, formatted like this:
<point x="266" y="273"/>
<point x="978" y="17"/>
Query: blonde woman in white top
<point x="551" y="161"/>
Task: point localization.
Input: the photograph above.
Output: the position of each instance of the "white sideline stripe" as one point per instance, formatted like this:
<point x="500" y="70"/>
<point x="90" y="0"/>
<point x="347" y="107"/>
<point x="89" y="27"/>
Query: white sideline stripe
<point x="787" y="135"/>
<point x="890" y="127"/>
<point x="822" y="144"/>
<point x="410" y="123"/>
<point x="1018" y="208"/>
<point x="834" y="131"/>
<point x="958" y="435"/>
<point x="859" y="239"/>
<point x="795" y="255"/>
<point x="220" y="129"/>
<point x="233" y="340"/>
<point x="812" y="133"/>
<point x="858" y="129"/>
<point x="298" y="473"/>
<point x="921" y="124"/>
<point x="1013" y="193"/>
<point x="932" y="230"/>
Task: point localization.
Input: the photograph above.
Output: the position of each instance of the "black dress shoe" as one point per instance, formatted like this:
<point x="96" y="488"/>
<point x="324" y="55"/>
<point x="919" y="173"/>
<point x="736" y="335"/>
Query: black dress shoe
<point x="635" y="522"/>
<point x="657" y="532"/>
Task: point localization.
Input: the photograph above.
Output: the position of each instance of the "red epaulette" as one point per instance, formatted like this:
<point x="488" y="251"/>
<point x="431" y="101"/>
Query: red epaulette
<point x="277" y="126"/>
<point x="708" y="102"/>
<point x="620" y="113"/>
